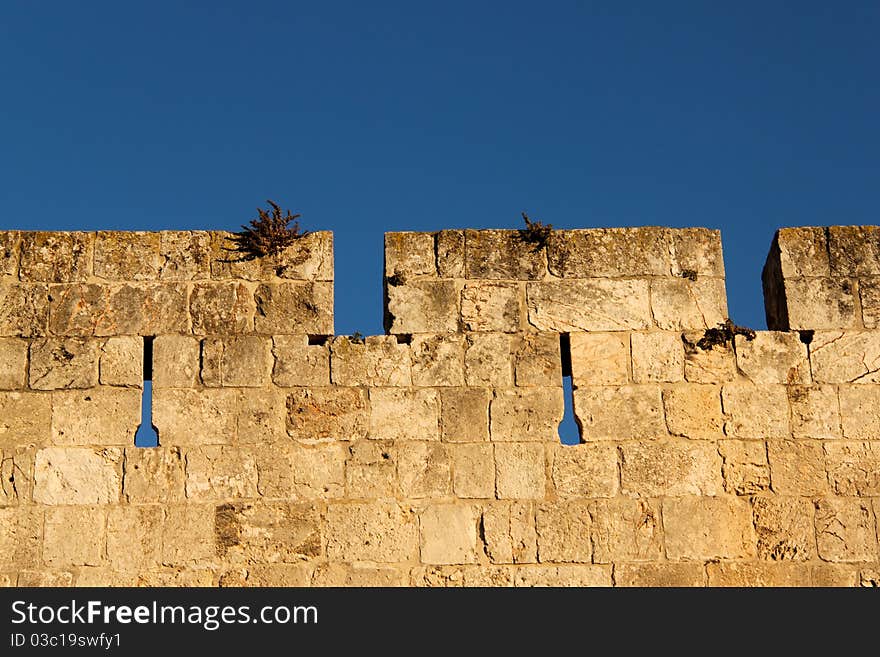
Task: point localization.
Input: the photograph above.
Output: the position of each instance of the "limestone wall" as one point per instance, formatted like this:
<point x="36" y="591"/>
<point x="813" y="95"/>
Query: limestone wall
<point x="430" y="456"/>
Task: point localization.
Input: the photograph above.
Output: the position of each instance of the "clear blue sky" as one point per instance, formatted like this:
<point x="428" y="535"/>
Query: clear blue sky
<point x="378" y="116"/>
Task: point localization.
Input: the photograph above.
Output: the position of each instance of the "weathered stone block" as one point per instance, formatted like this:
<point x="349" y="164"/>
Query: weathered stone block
<point x="144" y="309"/>
<point x="670" y="468"/>
<point x="74" y="536"/>
<point x="681" y="304"/>
<point x="755" y="411"/>
<point x="184" y="255"/>
<point x="64" y="363"/>
<point x="657" y="357"/>
<point x="194" y="417"/>
<point x="127" y="256"/>
<point x="854" y="250"/>
<point x="228" y="261"/>
<point x="284" y="308"/>
<point x="79" y="308"/>
<point x="464" y="414"/>
<point x="669" y="574"/>
<point x="153" y="475"/>
<point x="21" y="536"/>
<point x="797" y="467"/>
<point x="589" y="305"/>
<point x="448" y="534"/>
<point x="586" y="470"/>
<point x="708" y="528"/>
<point x="697" y="251"/>
<point x="609" y="252"/>
<point x="371" y="470"/>
<point x="854" y="468"/>
<point x="438" y="360"/>
<point x="404" y="413"/>
<point x="25" y="418"/>
<point x="784" y="526"/>
<point x="302" y="472"/>
<point x="758" y="574"/>
<point x="327" y="413"/>
<point x="773" y="357"/>
<point x="694" y="411"/>
<point x="261" y="417"/>
<point x="308" y="258"/>
<point x="223" y="308"/>
<point x="216" y="473"/>
<point x="508" y="530"/>
<point x="846" y="530"/>
<point x="244" y="361"/>
<point x="16" y="475"/>
<point x="473" y="468"/>
<point x="619" y="413"/>
<point x="24" y="309"/>
<point x="537" y="360"/>
<point x="358" y="575"/>
<point x="423" y="307"/>
<point x="803" y="251"/>
<point x="487" y="306"/>
<point x="502" y="254"/>
<point x="579" y="575"/>
<point x="122" y="362"/>
<point x="869" y="295"/>
<point x="450" y="254"/>
<point x="10" y="241"/>
<point x="378" y="361"/>
<point x="56" y="257"/>
<point x="519" y="471"/>
<point x="564" y="532"/>
<point x="525" y="414"/>
<point x="815" y="412"/>
<point x="424" y="470"/>
<point x="819" y="303"/>
<point x="625" y="530"/>
<point x="860" y="411"/>
<point x="380" y="531"/>
<point x="134" y="537"/>
<point x="714" y="365"/>
<point x="176" y="361"/>
<point x="102" y="416"/>
<point x="461" y="576"/>
<point x="13" y="363"/>
<point x="410" y="254"/>
<point x="298" y="363"/>
<point x="77" y="475"/>
<point x="188" y="535"/>
<point x="599" y="359"/>
<point x="487" y="360"/>
<point x="267" y="533"/>
<point x="746" y="470"/>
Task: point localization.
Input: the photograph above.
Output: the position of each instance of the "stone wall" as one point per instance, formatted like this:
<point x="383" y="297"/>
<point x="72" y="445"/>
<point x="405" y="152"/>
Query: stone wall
<point x="430" y="456"/>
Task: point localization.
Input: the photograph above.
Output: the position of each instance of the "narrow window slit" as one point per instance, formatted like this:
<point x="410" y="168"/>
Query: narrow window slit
<point x="147" y="434"/>
<point x="569" y="431"/>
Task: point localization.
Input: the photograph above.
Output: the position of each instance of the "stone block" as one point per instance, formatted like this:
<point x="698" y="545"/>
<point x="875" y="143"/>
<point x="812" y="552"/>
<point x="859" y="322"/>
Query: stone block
<point x="537" y="360"/>
<point x="746" y="469"/>
<point x="670" y="468"/>
<point x="819" y="303"/>
<point x="285" y="308"/>
<point x="708" y="528"/>
<point x="802" y="251"/>
<point x="589" y="305"/>
<point x="276" y="532"/>
<point x="122" y="362"/>
<point x="378" y="361"/>
<point x="358" y="575"/>
<point x="755" y="411"/>
<point x="625" y="530"/>
<point x="563" y="531"/>
<point x="218" y="473"/>
<point x="24" y="309"/>
<point x="100" y="417"/>
<point x="134" y="537"/>
<point x="298" y="363"/>
<point x="520" y="471"/>
<point x="797" y="467"/>
<point x="74" y="536"/>
<point x="261" y="417"/>
<point x="580" y="575"/>
<point x="404" y="413"/>
<point x="410" y="254"/>
<point x="694" y="411"/>
<point x="525" y="414"/>
<point x="16" y="475"/>
<point x="228" y="261"/>
<point x="56" y="257"/>
<point x="502" y="254"/>
<point x="815" y="412"/>
<point x="380" y="531"/>
<point x="21" y="536"/>
<point x="860" y="411"/>
<point x="633" y="412"/>
<point x="670" y="574"/>
<point x="752" y="575"/>
<point x="10" y="241"/>
<point x="487" y="360"/>
<point x="461" y="576"/>
<point x="854" y="250"/>
<point x="681" y="304"/>
<point x="153" y="475"/>
<point x="846" y="530"/>
<point x="508" y="531"/>
<point x="657" y="357"/>
<point x="144" y="309"/>
<point x="371" y="470"/>
<point x="302" y="472"/>
<point x="57" y="363"/>
<point x="127" y="256"/>
<point x="714" y="365"/>
<point x="176" y="361"/>
<point x="450" y="254"/>
<point x="25" y="418"/>
<point x="438" y="360"/>
<point x="188" y="535"/>
<point x="491" y="306"/>
<point x="773" y="357"/>
<point x="464" y="414"/>
<point x="194" y="417"/>
<point x="473" y="468"/>
<point x="422" y="307"/>
<point x="697" y="251"/>
<point x="609" y="252"/>
<point x="424" y="470"/>
<point x="599" y="359"/>
<point x="448" y="534"/>
<point x="586" y="470"/>
<point x="13" y="363"/>
<point x="854" y="468"/>
<point x="80" y="308"/>
<point x="327" y="414"/>
<point x="784" y="526"/>
<point x="243" y="361"/>
<point x="77" y="475"/>
<point x="308" y="258"/>
<point x="185" y="255"/>
<point x="224" y="308"/>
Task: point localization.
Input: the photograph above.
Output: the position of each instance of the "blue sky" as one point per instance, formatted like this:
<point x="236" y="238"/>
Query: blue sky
<point x="378" y="116"/>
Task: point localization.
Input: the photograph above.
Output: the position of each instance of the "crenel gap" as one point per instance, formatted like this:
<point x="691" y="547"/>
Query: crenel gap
<point x="147" y="435"/>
